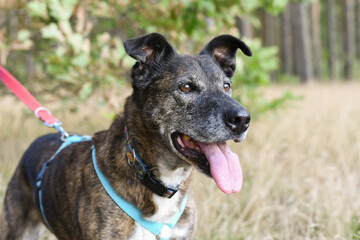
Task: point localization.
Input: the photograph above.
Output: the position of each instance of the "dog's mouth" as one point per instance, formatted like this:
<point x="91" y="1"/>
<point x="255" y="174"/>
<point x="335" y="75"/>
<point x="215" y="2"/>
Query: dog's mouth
<point x="214" y="159"/>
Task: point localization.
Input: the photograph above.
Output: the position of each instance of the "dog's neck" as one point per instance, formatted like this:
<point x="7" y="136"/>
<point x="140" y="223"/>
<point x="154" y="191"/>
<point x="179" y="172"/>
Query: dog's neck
<point x="145" y="174"/>
<point x="157" y="159"/>
<point x="113" y="163"/>
<point x="179" y="178"/>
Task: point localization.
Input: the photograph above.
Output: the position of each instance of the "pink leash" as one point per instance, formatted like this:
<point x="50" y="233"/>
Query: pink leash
<point x="40" y="112"/>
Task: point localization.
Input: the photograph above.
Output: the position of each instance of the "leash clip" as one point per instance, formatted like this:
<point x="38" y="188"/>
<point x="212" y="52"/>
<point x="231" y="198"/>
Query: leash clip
<point x="64" y="134"/>
<point x="56" y="125"/>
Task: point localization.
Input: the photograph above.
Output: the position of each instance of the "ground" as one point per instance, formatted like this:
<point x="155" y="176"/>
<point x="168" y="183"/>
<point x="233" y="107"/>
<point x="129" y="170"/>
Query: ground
<point x="301" y="166"/>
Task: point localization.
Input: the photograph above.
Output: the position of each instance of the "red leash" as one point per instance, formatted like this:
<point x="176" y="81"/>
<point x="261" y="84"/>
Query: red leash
<point x="40" y="112"/>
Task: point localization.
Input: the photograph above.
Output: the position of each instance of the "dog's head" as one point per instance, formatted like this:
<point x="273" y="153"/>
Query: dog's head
<point x="187" y="100"/>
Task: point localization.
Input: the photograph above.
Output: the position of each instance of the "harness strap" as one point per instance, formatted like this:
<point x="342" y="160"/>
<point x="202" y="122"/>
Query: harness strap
<point x="133" y="212"/>
<point x="67" y="142"/>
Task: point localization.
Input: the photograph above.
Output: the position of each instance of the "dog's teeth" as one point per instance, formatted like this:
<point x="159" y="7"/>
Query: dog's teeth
<point x="180" y="141"/>
<point x="187" y="137"/>
<point x="197" y="149"/>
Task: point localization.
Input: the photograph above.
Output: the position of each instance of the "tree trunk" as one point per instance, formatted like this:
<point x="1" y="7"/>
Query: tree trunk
<point x="286" y="39"/>
<point x="358" y="29"/>
<point x="244" y="27"/>
<point x="316" y="38"/>
<point x="11" y="32"/>
<point x="270" y="30"/>
<point x="3" y="53"/>
<point x="301" y="41"/>
<point x="348" y="20"/>
<point x="331" y="37"/>
<point x="2" y="18"/>
<point x="269" y="26"/>
<point x="29" y="55"/>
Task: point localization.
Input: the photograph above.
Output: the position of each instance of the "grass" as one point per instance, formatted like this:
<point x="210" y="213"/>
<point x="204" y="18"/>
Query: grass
<point x="301" y="166"/>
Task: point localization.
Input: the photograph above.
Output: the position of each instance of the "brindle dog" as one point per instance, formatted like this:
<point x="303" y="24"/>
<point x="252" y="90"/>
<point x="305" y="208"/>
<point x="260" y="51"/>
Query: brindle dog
<point x="178" y="117"/>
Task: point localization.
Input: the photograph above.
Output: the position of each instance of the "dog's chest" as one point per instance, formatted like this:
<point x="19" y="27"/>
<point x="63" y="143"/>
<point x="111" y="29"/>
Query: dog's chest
<point x="167" y="207"/>
<point x="166" y="210"/>
<point x="141" y="233"/>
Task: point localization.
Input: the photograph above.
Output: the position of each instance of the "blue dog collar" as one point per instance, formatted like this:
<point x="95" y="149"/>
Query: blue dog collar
<point x="131" y="210"/>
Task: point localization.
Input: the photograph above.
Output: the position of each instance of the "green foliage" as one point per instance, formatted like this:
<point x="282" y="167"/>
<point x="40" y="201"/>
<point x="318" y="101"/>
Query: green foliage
<point x="78" y="48"/>
<point x="288" y="79"/>
<point x="253" y="73"/>
<point x="78" y="60"/>
<point x="19" y="42"/>
<point x="255" y="70"/>
<point x="272" y="6"/>
<point x="38" y="9"/>
<point x="355" y="227"/>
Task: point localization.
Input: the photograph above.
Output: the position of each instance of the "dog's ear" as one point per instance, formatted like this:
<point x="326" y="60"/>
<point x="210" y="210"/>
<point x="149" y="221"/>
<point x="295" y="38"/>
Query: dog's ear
<point x="223" y="50"/>
<point x="151" y="51"/>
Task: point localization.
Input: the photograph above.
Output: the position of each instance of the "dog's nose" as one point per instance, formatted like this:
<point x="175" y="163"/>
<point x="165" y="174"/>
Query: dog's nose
<point x="237" y="119"/>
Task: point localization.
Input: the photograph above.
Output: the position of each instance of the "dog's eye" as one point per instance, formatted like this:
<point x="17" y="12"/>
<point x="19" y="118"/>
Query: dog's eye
<point x="227" y="87"/>
<point x="185" y="87"/>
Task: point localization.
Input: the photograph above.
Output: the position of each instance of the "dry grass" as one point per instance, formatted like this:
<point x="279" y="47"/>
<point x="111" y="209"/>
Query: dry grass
<point x="302" y="173"/>
<point x="301" y="167"/>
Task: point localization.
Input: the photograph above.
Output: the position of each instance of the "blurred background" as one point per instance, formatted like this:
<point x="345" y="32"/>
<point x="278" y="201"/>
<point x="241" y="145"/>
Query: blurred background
<point x="78" y="44"/>
<point x="301" y="160"/>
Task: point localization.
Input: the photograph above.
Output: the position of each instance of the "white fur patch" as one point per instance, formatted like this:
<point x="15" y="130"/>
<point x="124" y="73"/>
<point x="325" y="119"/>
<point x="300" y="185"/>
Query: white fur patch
<point x="178" y="232"/>
<point x="173" y="178"/>
<point x="167" y="207"/>
<point x="166" y="210"/>
<point x="165" y="232"/>
<point x="141" y="233"/>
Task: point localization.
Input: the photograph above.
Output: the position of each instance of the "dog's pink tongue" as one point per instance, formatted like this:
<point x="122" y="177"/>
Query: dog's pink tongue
<point x="224" y="166"/>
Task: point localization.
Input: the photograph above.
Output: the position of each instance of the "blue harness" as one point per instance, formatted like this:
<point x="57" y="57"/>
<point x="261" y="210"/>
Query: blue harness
<point x="67" y="142"/>
<point x="128" y="208"/>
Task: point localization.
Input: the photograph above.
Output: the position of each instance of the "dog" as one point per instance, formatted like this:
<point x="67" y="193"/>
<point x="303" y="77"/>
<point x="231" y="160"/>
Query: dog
<point x="177" y="119"/>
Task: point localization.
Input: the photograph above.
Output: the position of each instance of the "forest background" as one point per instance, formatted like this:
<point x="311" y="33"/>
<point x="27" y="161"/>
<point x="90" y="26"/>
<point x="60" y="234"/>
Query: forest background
<point x="301" y="162"/>
<point x="74" y="48"/>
